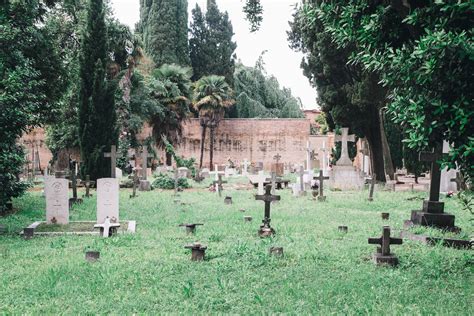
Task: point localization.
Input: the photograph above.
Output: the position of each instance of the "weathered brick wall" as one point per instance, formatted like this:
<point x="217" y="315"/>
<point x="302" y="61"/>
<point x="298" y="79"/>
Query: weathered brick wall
<point x="253" y="139"/>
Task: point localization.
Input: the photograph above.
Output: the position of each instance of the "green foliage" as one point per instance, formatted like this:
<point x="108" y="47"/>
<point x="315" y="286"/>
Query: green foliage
<point x="260" y="96"/>
<point x="322" y="123"/>
<point x="97" y="116"/>
<point x="31" y="84"/>
<point x="180" y="161"/>
<point x="169" y="91"/>
<point x="423" y="53"/>
<point x="394" y="138"/>
<point x="164" y="29"/>
<point x="210" y="44"/>
<point x="164" y="181"/>
<point x="253" y="13"/>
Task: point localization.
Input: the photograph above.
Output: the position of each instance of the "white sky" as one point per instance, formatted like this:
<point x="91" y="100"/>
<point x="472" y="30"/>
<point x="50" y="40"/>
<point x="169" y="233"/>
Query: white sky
<point x="280" y="60"/>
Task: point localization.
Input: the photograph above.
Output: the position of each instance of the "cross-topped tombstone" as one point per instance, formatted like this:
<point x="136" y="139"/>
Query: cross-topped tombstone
<point x="301" y="174"/>
<point x="87" y="184"/>
<point x="278" y="167"/>
<point x="265" y="229"/>
<point x="218" y="184"/>
<point x="432" y="213"/>
<point x="372" y="187"/>
<point x="344" y="160"/>
<point x="135" y="182"/>
<point x="383" y="254"/>
<point x="321" y="179"/>
<point x="145" y="157"/>
<point x="74" y="198"/>
<point x="107" y="228"/>
<point x="277" y="158"/>
<point x="261" y="181"/>
<point x="113" y="160"/>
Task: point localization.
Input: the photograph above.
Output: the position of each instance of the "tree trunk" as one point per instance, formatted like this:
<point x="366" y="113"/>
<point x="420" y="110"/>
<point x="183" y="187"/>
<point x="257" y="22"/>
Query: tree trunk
<point x="211" y="146"/>
<point x="203" y="138"/>
<point x="387" y="157"/>
<point x="374" y="139"/>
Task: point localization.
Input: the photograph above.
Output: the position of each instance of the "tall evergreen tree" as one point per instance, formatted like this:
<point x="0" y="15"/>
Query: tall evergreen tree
<point x="96" y="100"/>
<point x="211" y="45"/>
<point x="164" y="28"/>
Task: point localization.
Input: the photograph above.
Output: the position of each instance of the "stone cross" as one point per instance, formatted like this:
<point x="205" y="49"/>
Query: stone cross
<point x="261" y="180"/>
<point x="435" y="173"/>
<point x="87" y="183"/>
<point x="344" y="160"/>
<point x="218" y="184"/>
<point x="246" y="167"/>
<point x="301" y="173"/>
<point x="113" y="160"/>
<point x="459" y="181"/>
<point x="321" y="179"/>
<point x="385" y="241"/>
<point x="268" y="198"/>
<point x="372" y="187"/>
<point x="277" y="158"/>
<point x="145" y="157"/>
<point x="107" y="228"/>
<point x="135" y="181"/>
<point x="273" y="179"/>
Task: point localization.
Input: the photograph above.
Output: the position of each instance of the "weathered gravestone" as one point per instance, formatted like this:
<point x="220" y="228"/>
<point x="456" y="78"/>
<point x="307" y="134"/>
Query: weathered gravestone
<point x="301" y="174"/>
<point x="198" y="251"/>
<point x="113" y="160"/>
<point x="344" y="175"/>
<point x="135" y="182"/>
<point x="432" y="213"/>
<point x="383" y="254"/>
<point x="144" y="183"/>
<point x="190" y="227"/>
<point x="245" y="168"/>
<point x="265" y="229"/>
<point x="107" y="200"/>
<point x="310" y="156"/>
<point x="57" y="202"/>
<point x="277" y="166"/>
<point x="218" y="184"/>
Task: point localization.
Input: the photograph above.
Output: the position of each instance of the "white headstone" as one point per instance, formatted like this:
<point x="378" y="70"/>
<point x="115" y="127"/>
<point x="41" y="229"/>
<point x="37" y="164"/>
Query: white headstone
<point x="183" y="172"/>
<point x="118" y="173"/>
<point x="245" y="170"/>
<point x="205" y="172"/>
<point x="446" y="184"/>
<point x="344" y="160"/>
<point x="261" y="180"/>
<point x="57" y="200"/>
<point x="107" y="199"/>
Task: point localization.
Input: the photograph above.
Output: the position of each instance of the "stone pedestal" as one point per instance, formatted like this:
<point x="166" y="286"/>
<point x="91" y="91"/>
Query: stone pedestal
<point x="345" y="178"/>
<point x="145" y="185"/>
<point x="266" y="232"/>
<point x="380" y="259"/>
<point x="439" y="220"/>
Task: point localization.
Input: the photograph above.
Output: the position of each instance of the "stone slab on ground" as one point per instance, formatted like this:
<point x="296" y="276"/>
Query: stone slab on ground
<point x="84" y="228"/>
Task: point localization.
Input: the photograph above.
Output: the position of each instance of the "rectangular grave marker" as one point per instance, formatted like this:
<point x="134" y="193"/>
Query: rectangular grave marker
<point x="107" y="200"/>
<point x="57" y="200"/>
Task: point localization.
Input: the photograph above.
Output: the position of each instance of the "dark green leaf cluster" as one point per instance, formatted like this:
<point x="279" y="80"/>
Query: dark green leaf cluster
<point x="210" y="44"/>
<point x="423" y="52"/>
<point x="164" y="181"/>
<point x="260" y="96"/>
<point x="164" y="30"/>
<point x="31" y="76"/>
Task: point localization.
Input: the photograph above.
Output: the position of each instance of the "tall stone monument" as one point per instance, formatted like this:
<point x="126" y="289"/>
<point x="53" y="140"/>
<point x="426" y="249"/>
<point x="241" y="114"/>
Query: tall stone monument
<point x="57" y="200"/>
<point x="107" y="200"/>
<point x="344" y="175"/>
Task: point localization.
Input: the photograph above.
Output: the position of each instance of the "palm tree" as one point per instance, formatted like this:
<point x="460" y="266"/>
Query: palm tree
<point x="212" y="95"/>
<point x="170" y="89"/>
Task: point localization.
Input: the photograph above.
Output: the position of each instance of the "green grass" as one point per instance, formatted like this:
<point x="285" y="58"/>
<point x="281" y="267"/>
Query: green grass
<point x="322" y="271"/>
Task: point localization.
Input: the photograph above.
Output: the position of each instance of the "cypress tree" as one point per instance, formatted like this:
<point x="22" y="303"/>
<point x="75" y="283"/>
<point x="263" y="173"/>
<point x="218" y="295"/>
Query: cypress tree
<point x="211" y="45"/>
<point x="164" y="28"/>
<point x="96" y="101"/>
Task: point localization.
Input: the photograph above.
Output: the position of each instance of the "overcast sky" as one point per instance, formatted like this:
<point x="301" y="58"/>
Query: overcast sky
<point x="280" y="60"/>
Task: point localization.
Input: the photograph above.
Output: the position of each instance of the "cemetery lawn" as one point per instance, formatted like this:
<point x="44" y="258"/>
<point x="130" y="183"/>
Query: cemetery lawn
<point x="322" y="271"/>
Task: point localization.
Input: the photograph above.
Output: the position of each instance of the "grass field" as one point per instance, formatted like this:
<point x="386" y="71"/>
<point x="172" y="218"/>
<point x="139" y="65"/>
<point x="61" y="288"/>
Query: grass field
<point x="322" y="271"/>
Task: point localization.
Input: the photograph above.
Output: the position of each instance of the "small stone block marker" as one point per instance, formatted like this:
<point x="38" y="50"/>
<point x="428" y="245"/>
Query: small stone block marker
<point x="228" y="200"/>
<point x="190" y="228"/>
<point x="92" y="256"/>
<point x="342" y="229"/>
<point x="197" y="251"/>
<point x="383" y="255"/>
<point x="265" y="229"/>
<point x="276" y="251"/>
<point x="28" y="232"/>
<point x="385" y="216"/>
<point x="107" y="228"/>
<point x="242" y="210"/>
<point x="247" y="218"/>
